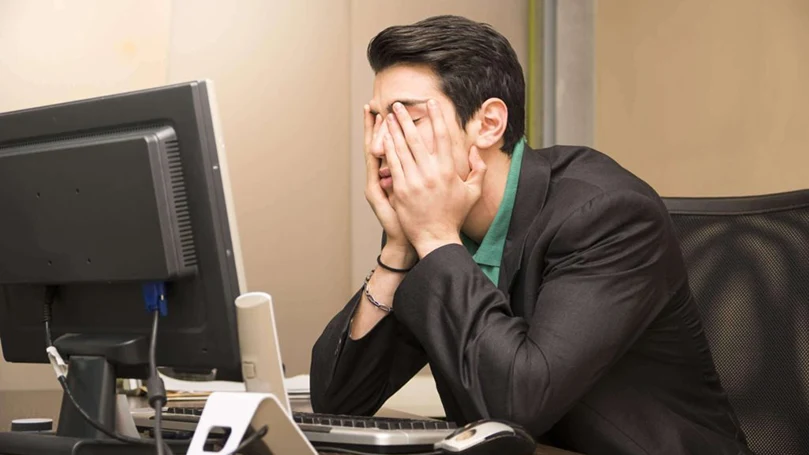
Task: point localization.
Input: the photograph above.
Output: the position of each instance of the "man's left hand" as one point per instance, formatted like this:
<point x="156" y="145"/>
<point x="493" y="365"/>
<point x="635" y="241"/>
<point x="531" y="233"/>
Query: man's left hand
<point x="430" y="198"/>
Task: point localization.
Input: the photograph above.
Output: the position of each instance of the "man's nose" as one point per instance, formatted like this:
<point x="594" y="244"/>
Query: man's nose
<point x="377" y="150"/>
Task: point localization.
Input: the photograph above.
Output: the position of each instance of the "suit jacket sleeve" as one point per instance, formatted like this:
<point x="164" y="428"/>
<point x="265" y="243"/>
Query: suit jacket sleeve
<point x="357" y="376"/>
<point x="603" y="283"/>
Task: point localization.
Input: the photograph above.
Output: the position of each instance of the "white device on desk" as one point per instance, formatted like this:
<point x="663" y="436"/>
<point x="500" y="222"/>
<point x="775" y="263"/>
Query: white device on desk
<point x="265" y="402"/>
<point x="258" y="342"/>
<point x="241" y="411"/>
<point x="488" y="437"/>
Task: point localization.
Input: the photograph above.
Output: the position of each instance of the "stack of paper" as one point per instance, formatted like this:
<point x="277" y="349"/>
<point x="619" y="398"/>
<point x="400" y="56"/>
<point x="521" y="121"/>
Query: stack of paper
<point x="296" y="386"/>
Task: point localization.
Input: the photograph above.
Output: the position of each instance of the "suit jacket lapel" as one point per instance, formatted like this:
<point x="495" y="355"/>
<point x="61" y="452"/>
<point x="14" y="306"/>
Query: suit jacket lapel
<point x="528" y="203"/>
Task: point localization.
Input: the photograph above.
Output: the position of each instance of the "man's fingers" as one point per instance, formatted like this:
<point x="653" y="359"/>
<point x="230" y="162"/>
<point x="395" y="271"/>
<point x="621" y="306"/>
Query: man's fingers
<point x="368" y="120"/>
<point x="373" y="150"/>
<point x="394" y="164"/>
<point x="374" y="193"/>
<point x="380" y="129"/>
<point x="411" y="133"/>
<point x="442" y="145"/>
<point x="373" y="122"/>
<point x="402" y="149"/>
<point x="377" y="124"/>
<point x="474" y="181"/>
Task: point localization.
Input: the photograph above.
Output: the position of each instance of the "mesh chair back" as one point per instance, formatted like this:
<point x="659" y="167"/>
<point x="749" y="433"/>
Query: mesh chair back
<point x="748" y="265"/>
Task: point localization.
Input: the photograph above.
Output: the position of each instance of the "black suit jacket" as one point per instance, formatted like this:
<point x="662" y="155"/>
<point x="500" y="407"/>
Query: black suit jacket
<point x="592" y="341"/>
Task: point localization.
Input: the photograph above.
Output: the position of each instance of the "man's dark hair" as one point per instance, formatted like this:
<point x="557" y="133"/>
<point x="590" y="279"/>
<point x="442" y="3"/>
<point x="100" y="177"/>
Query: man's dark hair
<point x="472" y="60"/>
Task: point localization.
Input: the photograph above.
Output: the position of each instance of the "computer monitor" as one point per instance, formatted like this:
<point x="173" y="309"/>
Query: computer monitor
<point x="97" y="198"/>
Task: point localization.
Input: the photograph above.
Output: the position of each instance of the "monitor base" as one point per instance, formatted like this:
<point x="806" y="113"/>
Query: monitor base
<point x="38" y="444"/>
<point x="95" y="361"/>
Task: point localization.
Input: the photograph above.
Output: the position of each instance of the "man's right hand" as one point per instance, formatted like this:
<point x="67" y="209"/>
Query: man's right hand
<point x="398" y="252"/>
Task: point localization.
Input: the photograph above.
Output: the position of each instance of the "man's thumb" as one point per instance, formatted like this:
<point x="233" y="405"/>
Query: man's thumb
<point x="475" y="178"/>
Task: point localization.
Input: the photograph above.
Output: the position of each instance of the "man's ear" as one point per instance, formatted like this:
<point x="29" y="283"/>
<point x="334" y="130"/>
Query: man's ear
<point x="492" y="118"/>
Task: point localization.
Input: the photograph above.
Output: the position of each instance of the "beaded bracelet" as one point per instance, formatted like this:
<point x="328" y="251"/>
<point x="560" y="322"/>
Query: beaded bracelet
<point x="371" y="298"/>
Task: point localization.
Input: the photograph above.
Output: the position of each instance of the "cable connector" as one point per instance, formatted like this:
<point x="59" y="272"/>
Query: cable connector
<point x="156" y="391"/>
<point x="58" y="364"/>
<point x="154" y="295"/>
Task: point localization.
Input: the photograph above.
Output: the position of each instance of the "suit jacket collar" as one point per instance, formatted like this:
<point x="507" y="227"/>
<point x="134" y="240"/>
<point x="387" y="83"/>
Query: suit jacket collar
<point x="532" y="189"/>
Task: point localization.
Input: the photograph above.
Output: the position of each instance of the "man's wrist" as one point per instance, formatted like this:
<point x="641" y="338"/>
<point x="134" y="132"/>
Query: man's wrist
<point x="399" y="256"/>
<point x="423" y="248"/>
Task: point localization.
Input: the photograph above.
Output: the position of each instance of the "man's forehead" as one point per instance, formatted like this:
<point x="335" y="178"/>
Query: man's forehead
<point x="386" y="106"/>
<point x="403" y="83"/>
<point x="384" y="98"/>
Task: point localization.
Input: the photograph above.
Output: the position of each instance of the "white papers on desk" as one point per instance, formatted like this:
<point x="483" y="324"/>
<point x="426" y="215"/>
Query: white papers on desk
<point x="296" y="385"/>
<point x="180" y="385"/>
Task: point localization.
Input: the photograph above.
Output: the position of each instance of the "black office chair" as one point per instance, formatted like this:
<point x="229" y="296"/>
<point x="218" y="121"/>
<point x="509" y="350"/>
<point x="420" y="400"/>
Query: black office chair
<point x="748" y="265"/>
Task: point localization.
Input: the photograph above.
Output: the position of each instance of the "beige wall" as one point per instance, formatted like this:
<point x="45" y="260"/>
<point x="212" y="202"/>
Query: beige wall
<point x="705" y="97"/>
<point x="369" y="17"/>
<point x="281" y="74"/>
<point x="290" y="77"/>
<point x="54" y="51"/>
<point x="42" y="61"/>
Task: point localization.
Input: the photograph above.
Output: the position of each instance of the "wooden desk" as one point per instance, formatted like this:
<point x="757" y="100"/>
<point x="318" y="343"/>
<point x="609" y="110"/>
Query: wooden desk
<point x="305" y="406"/>
<point x="21" y="404"/>
<point x="46" y="404"/>
<point x="541" y="450"/>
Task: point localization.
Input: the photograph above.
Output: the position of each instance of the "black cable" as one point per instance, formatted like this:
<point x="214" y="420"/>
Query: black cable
<point x="158" y="429"/>
<point x="48" y="338"/>
<point x="153" y="344"/>
<point x="251" y="439"/>
<point x="155" y="388"/>
<point x="50" y="298"/>
<point x="95" y="424"/>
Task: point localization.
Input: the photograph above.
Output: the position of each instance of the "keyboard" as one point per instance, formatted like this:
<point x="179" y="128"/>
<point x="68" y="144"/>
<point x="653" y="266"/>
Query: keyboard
<point x="364" y="434"/>
<point x="382" y="423"/>
<point x="182" y="414"/>
<point x="372" y="434"/>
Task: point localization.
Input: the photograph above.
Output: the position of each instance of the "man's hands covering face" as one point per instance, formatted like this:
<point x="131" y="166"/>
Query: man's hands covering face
<point x="398" y="251"/>
<point x="430" y="199"/>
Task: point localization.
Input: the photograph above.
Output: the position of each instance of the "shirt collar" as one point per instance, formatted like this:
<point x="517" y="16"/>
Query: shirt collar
<point x="490" y="250"/>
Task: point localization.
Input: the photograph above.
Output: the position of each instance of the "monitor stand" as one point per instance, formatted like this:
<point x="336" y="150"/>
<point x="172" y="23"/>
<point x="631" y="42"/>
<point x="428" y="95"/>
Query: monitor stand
<point x="94" y="362"/>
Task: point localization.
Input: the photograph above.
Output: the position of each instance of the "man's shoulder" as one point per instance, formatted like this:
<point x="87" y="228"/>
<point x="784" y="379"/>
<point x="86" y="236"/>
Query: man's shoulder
<point x="590" y="168"/>
<point x="579" y="174"/>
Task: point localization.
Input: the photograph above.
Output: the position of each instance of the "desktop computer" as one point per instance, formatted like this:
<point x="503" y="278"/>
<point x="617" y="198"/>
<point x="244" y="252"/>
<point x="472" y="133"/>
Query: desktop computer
<point x="108" y="203"/>
<point x="119" y="251"/>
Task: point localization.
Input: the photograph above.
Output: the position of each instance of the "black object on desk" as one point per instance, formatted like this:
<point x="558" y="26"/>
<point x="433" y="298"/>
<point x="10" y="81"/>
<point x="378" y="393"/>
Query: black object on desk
<point x="101" y="196"/>
<point x="26" y="443"/>
<point x="32" y="425"/>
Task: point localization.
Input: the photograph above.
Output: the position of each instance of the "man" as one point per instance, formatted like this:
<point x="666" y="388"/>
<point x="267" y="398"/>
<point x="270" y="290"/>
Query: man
<point x="544" y="287"/>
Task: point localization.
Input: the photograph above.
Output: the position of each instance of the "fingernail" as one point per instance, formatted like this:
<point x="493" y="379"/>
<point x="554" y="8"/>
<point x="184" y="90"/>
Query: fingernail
<point x="397" y="107"/>
<point x="432" y="103"/>
<point x="391" y="118"/>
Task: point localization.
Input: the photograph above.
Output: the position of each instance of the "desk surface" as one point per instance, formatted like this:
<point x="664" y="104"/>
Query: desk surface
<point x="46" y="404"/>
<point x="304" y="406"/>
